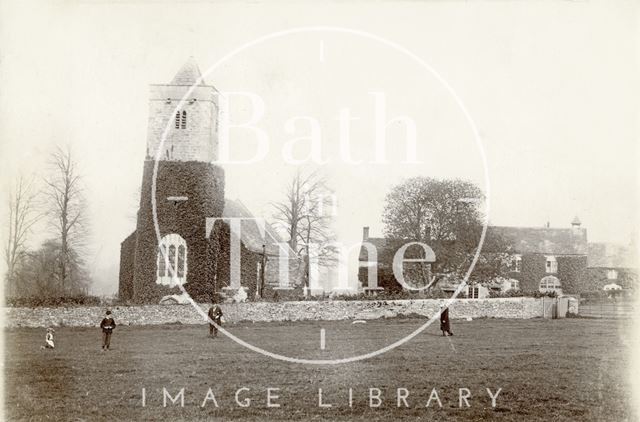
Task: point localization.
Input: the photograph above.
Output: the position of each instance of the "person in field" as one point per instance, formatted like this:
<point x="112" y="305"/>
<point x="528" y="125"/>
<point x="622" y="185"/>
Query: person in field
<point x="107" y="325"/>
<point x="215" y="315"/>
<point x="445" y="324"/>
<point x="48" y="339"/>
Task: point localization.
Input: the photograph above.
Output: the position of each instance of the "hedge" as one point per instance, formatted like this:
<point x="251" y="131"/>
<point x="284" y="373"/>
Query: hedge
<point x="55" y="301"/>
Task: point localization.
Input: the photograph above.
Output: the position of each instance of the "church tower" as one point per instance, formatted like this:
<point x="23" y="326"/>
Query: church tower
<point x="191" y="127"/>
<point x="189" y="188"/>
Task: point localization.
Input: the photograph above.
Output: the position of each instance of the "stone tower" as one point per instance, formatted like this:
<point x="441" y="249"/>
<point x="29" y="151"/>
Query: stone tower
<point x="192" y="127"/>
<point x="189" y="189"/>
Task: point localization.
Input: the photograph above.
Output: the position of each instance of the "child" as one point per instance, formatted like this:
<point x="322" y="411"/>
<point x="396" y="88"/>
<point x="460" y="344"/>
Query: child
<point x="215" y="315"/>
<point x="107" y="325"/>
<point x="48" y="339"/>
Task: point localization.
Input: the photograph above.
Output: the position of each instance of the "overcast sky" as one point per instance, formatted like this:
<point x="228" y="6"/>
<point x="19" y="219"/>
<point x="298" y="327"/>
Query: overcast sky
<point x="551" y="86"/>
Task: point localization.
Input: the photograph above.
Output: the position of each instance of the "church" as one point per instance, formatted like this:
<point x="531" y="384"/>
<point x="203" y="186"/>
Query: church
<point x="182" y="250"/>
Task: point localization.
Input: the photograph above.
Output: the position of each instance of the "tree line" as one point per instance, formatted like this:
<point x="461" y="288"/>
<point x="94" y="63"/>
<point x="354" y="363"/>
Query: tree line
<point x="445" y="214"/>
<point x="56" y="202"/>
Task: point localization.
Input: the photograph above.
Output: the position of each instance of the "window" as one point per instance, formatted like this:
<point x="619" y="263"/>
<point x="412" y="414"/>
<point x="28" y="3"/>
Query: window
<point x="181" y="120"/>
<point x="552" y="265"/>
<point x="172" y="260"/>
<point x="612" y="275"/>
<point x="162" y="262"/>
<point x="550" y="284"/>
<point x="516" y="263"/>
<point x="473" y="292"/>
<point x="181" y="255"/>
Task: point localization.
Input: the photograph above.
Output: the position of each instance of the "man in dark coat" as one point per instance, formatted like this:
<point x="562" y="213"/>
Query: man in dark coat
<point x="215" y="315"/>
<point x="107" y="325"/>
<point x="445" y="325"/>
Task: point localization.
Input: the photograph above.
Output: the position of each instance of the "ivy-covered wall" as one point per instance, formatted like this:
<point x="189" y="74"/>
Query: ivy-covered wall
<point x="203" y="185"/>
<point x="570" y="273"/>
<point x="127" y="259"/>
<point x="570" y="269"/>
<point x="532" y="270"/>
<point x="208" y="259"/>
<point x="594" y="279"/>
<point x="386" y="278"/>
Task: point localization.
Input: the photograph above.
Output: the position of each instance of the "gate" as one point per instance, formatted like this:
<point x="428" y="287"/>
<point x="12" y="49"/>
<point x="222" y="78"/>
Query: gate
<point x="555" y="307"/>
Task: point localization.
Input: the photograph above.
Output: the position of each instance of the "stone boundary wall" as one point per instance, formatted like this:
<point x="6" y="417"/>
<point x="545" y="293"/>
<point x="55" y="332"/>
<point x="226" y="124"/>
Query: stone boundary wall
<point x="519" y="308"/>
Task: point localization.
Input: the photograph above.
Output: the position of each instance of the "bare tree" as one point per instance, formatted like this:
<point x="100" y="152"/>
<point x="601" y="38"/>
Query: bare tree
<point x="67" y="211"/>
<point x="305" y="215"/>
<point x="23" y="215"/>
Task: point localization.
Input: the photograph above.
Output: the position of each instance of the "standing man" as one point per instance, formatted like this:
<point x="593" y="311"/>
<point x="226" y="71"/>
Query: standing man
<point x="215" y="316"/>
<point x="107" y="325"/>
<point x="445" y="325"/>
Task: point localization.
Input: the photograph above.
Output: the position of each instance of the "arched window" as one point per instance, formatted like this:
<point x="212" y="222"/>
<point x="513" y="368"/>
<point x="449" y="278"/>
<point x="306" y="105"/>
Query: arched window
<point x="177" y="120"/>
<point x="183" y="122"/>
<point x="172" y="260"/>
<point x="550" y="284"/>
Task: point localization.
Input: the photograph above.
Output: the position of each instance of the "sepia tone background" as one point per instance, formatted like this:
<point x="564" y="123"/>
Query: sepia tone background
<point x="552" y="88"/>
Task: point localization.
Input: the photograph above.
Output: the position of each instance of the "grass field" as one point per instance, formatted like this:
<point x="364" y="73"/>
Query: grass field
<point x="574" y="369"/>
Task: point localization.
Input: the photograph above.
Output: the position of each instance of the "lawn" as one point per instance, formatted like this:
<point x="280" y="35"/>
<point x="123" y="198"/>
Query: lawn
<point x="573" y="369"/>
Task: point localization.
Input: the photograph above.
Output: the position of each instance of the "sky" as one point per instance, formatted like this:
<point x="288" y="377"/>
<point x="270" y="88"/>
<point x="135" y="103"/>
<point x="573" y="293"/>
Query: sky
<point x="552" y="88"/>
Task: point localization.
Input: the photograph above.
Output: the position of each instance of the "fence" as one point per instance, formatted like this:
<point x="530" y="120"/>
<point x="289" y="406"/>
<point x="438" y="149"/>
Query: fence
<point x="605" y="308"/>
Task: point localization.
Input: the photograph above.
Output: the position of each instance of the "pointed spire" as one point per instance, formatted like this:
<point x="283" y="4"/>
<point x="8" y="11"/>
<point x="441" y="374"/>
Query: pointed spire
<point x="188" y="74"/>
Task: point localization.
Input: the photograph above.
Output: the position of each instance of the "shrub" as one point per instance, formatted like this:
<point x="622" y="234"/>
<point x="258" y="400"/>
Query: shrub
<point x="53" y="301"/>
<point x="521" y="293"/>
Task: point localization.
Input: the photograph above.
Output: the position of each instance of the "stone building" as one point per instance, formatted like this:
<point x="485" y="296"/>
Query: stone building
<point x="546" y="258"/>
<point x="376" y="259"/>
<point x="610" y="266"/>
<point x="190" y="241"/>
<point x="542" y="258"/>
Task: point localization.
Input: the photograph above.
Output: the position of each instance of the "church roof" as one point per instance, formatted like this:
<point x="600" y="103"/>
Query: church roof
<point x="252" y="236"/>
<point x="188" y="74"/>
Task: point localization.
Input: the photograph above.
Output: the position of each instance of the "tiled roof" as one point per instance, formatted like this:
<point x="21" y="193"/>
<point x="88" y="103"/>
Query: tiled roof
<point x="609" y="255"/>
<point x="387" y="248"/>
<point x="251" y="235"/>
<point x="188" y="74"/>
<point x="543" y="240"/>
<point x="540" y="240"/>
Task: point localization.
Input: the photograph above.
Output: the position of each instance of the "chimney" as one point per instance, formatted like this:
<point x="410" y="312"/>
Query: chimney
<point x="365" y="234"/>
